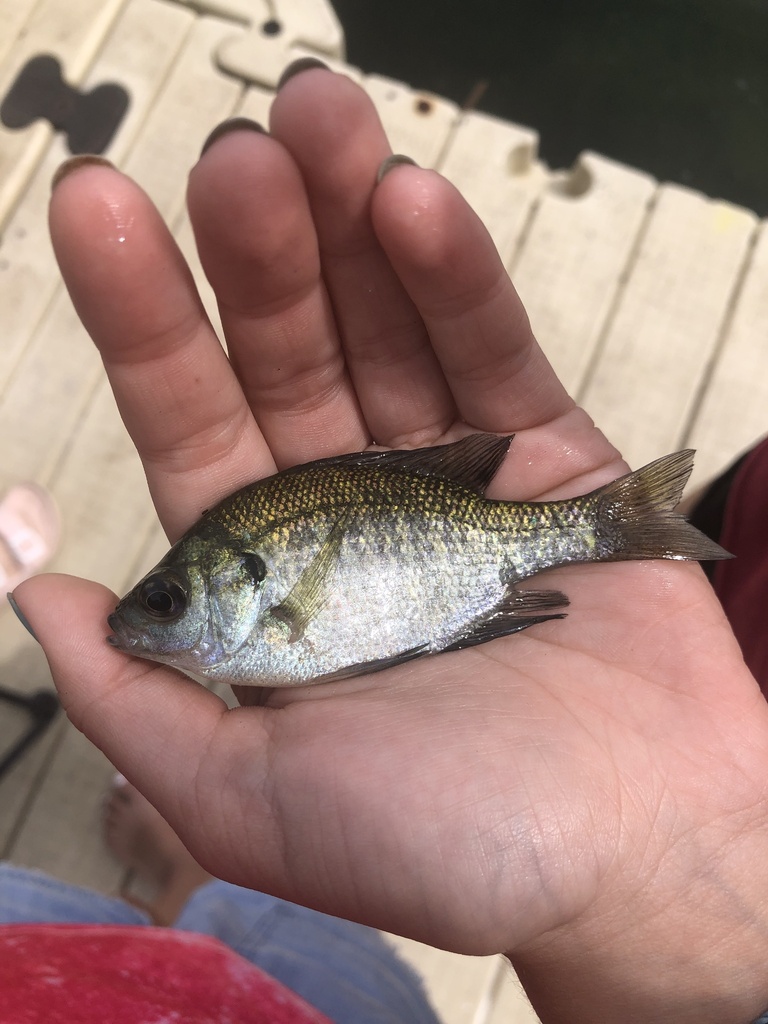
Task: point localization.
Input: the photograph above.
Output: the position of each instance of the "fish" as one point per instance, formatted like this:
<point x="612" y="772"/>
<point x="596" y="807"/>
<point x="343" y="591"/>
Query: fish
<point x="360" y="562"/>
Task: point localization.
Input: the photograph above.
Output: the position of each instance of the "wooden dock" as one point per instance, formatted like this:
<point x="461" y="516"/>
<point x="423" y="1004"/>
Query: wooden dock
<point x="651" y="301"/>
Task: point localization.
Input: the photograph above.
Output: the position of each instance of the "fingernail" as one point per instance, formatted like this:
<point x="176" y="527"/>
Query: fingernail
<point x="21" y="616"/>
<point x="76" y="162"/>
<point x="233" y="124"/>
<point x="296" y="67"/>
<point x="393" y="161"/>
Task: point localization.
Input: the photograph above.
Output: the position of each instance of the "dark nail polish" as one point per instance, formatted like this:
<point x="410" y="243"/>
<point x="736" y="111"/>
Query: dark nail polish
<point x="393" y="161"/>
<point x="234" y="124"/>
<point x="74" y="163"/>
<point x="21" y="616"/>
<point x="296" y="67"/>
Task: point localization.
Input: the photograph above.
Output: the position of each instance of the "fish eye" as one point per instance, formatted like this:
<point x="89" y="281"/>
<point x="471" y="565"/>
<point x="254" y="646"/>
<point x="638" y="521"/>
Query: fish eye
<point x="162" y="597"/>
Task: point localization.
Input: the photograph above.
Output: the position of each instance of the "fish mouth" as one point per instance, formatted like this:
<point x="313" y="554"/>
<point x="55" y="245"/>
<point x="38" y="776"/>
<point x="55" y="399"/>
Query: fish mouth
<point x="121" y="636"/>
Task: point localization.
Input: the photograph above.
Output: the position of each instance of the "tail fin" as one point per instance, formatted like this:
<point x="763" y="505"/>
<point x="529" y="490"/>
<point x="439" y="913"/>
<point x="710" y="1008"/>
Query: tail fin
<point x="635" y="514"/>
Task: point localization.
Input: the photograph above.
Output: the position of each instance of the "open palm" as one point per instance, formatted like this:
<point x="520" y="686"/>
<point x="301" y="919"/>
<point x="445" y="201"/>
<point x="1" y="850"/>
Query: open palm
<point x="504" y="798"/>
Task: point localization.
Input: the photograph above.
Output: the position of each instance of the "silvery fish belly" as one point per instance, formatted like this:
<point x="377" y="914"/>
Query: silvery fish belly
<point x="361" y="562"/>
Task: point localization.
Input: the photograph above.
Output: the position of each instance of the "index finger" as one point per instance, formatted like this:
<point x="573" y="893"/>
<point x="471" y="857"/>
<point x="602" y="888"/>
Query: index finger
<point x="176" y="390"/>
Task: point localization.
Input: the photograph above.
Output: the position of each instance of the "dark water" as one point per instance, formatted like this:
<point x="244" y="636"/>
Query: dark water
<point x="678" y="88"/>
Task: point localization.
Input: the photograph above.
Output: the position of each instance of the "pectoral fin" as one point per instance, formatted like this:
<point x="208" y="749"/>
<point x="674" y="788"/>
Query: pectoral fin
<point x="310" y="591"/>
<point x="519" y="610"/>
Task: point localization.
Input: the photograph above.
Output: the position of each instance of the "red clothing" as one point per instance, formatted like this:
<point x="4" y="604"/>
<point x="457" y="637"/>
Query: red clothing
<point x="102" y="974"/>
<point x="742" y="583"/>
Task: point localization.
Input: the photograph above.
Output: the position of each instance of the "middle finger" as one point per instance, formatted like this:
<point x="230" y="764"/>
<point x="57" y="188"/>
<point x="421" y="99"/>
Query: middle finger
<point x="333" y="132"/>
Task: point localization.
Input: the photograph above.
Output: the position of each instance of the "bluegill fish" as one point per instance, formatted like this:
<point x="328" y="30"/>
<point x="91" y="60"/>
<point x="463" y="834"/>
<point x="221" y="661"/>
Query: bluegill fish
<point x="357" y="563"/>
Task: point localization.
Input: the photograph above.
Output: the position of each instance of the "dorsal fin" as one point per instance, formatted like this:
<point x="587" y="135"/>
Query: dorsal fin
<point x="473" y="461"/>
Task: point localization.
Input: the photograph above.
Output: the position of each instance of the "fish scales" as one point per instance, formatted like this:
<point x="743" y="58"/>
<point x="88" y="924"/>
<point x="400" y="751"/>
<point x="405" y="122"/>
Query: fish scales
<point x="362" y="562"/>
<point x="403" y="530"/>
<point x="283" y="498"/>
<point x="549" y="533"/>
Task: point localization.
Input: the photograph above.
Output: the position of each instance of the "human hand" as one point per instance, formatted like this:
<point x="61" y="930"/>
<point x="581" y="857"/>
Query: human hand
<point x="575" y="795"/>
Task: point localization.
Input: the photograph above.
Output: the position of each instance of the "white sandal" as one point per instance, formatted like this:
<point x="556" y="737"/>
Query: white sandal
<point x="29" y="533"/>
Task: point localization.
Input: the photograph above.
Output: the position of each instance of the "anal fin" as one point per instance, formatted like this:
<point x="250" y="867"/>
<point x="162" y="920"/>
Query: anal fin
<point x="518" y="610"/>
<point x="377" y="665"/>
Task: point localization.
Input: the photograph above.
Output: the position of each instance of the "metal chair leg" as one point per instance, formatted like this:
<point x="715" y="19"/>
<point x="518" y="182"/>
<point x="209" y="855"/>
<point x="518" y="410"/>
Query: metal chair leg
<point x="43" y="706"/>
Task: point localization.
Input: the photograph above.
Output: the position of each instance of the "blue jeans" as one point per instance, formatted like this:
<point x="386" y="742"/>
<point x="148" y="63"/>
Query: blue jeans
<point x="345" y="970"/>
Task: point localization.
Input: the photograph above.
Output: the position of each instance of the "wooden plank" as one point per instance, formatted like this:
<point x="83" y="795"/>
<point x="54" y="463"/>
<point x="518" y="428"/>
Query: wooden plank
<point x="667" y="323"/>
<point x="575" y="254"/>
<point x="14" y="15"/>
<point x="454" y="983"/>
<point x="138" y="58"/>
<point x="504" y="183"/>
<point x="195" y="98"/>
<point x="418" y="124"/>
<point x="312" y="23"/>
<point x="62" y="834"/>
<point x="258" y="55"/>
<point x="138" y="54"/>
<point x="245" y="12"/>
<point x="73" y="32"/>
<point x="733" y="412"/>
<point x="56" y="376"/>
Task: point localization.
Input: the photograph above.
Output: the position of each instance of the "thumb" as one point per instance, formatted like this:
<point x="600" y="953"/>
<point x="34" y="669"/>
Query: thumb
<point x="151" y="722"/>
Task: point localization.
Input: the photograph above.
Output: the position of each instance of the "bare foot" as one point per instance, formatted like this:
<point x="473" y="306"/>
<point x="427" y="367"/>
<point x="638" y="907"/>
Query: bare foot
<point x="143" y="841"/>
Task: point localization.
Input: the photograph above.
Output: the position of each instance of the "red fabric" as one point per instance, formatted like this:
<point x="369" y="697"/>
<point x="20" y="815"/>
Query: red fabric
<point x="94" y="974"/>
<point x="742" y="583"/>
